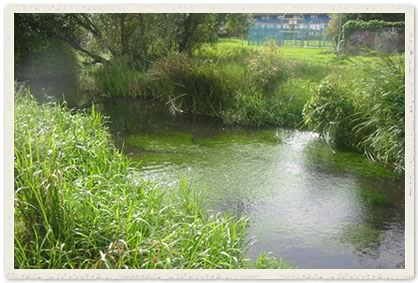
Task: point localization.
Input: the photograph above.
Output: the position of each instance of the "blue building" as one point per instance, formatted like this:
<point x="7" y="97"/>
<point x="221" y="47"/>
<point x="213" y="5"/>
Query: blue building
<point x="293" y="21"/>
<point x="303" y="30"/>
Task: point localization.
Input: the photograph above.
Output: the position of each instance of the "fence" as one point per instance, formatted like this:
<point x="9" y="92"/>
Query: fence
<point x="296" y="33"/>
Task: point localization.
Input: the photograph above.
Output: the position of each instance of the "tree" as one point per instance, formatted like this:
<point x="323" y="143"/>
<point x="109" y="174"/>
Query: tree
<point x="194" y="30"/>
<point x="34" y="30"/>
<point x="238" y="24"/>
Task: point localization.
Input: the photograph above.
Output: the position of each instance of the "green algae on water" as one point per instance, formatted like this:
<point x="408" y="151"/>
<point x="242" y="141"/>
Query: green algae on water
<point x="321" y="155"/>
<point x="164" y="142"/>
<point x="361" y="236"/>
<point x="374" y="197"/>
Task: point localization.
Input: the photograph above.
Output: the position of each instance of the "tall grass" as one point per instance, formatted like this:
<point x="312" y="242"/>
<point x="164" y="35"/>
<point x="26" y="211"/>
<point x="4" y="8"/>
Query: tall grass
<point x="78" y="204"/>
<point x="380" y="106"/>
<point x="247" y="92"/>
<point x="118" y="78"/>
<point x="231" y="81"/>
<point x="365" y="112"/>
<point x="191" y="85"/>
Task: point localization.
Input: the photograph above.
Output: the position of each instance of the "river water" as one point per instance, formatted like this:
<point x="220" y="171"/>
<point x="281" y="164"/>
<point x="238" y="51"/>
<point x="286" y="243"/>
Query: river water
<point x="307" y="203"/>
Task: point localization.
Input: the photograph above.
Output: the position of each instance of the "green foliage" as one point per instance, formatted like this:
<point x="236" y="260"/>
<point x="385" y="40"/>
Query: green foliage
<point x="194" y="30"/>
<point x="329" y="111"/>
<point x="77" y="204"/>
<point x="331" y="31"/>
<point x="351" y="27"/>
<point x="119" y="79"/>
<point x="237" y="24"/>
<point x="53" y="61"/>
<point x="267" y="71"/>
<point x="266" y="261"/>
<point x="247" y="93"/>
<point x="31" y="35"/>
<point x="366" y="113"/>
<point x="380" y="111"/>
<point x="191" y="85"/>
<point x="254" y="109"/>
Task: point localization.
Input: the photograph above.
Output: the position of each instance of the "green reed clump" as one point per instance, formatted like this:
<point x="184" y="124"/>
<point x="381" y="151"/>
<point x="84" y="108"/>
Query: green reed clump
<point x="267" y="261"/>
<point x="380" y="110"/>
<point x="267" y="71"/>
<point x="79" y="205"/>
<point x="365" y="113"/>
<point x="118" y="78"/>
<point x="191" y="85"/>
<point x="329" y="111"/>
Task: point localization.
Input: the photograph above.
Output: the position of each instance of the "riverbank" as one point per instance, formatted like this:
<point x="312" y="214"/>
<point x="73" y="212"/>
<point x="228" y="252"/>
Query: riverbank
<point x="76" y="205"/>
<point x="263" y="86"/>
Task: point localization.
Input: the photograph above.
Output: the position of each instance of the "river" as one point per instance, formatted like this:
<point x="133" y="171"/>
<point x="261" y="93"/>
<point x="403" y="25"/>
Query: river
<point x="306" y="203"/>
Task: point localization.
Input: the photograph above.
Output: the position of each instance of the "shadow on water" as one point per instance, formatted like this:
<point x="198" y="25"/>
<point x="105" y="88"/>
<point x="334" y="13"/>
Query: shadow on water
<point x="314" y="207"/>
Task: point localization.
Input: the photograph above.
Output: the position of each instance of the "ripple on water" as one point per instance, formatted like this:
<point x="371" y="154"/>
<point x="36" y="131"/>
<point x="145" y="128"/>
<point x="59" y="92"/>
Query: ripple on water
<point x="314" y="207"/>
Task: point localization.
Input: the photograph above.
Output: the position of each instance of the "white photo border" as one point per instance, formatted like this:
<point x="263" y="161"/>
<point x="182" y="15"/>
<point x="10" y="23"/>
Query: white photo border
<point x="12" y="273"/>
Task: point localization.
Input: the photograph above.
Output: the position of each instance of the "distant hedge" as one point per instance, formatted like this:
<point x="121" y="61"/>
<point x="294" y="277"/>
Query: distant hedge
<point x="352" y="26"/>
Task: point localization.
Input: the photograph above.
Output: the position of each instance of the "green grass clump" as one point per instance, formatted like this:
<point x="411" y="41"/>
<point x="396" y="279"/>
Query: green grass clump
<point x="245" y="92"/>
<point x="266" y="261"/>
<point x="365" y="112"/>
<point x="77" y="206"/>
<point x="117" y="78"/>
<point x="191" y="85"/>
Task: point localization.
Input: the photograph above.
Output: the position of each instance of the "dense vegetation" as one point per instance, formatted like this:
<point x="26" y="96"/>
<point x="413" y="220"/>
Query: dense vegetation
<point x="366" y="113"/>
<point x="359" y="21"/>
<point x="77" y="202"/>
<point x="78" y="206"/>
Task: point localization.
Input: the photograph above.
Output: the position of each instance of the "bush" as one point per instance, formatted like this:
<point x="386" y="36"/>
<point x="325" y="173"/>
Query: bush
<point x="246" y="94"/>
